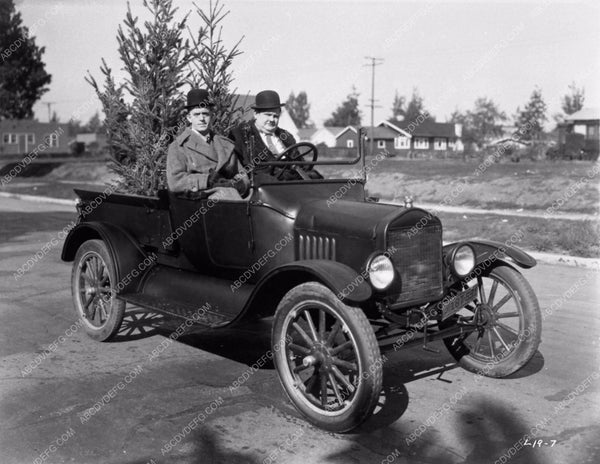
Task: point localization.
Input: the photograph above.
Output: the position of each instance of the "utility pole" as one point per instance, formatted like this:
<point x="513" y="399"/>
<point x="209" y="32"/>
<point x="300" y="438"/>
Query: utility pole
<point x="49" y="105"/>
<point x="374" y="62"/>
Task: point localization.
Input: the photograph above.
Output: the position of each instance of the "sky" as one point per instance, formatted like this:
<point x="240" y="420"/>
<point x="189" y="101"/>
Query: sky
<point x="452" y="51"/>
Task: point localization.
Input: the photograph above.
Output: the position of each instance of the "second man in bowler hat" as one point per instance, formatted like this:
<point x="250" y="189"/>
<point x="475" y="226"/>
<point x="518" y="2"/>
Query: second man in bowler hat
<point x="261" y="139"/>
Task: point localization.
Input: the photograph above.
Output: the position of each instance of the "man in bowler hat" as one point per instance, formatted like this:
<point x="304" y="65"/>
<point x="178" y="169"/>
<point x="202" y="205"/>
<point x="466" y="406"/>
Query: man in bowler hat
<point x="261" y="139"/>
<point x="199" y="159"/>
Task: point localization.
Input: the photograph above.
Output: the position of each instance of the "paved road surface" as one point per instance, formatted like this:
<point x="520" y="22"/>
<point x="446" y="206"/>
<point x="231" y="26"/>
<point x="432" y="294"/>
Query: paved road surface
<point x="68" y="399"/>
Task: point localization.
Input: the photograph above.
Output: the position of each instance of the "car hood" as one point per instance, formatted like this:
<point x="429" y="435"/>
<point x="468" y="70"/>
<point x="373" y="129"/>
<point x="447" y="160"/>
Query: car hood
<point x="354" y="218"/>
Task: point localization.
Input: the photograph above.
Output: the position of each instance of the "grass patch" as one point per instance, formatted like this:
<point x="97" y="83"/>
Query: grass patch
<point x="528" y="185"/>
<point x="576" y="238"/>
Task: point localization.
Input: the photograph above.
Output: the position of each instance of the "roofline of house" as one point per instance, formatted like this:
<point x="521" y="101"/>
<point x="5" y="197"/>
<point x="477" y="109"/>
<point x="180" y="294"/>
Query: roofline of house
<point x="396" y="128"/>
<point x="345" y="129"/>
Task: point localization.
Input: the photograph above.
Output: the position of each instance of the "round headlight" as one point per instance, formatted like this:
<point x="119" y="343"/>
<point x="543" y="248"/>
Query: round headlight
<point x="463" y="261"/>
<point x="381" y="272"/>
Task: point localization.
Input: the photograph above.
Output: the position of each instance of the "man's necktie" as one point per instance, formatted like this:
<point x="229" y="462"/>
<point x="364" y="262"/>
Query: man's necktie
<point x="271" y="144"/>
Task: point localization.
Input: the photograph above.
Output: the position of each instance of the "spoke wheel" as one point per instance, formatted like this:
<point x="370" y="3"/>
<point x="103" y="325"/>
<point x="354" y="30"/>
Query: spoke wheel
<point x="508" y="324"/>
<point x="94" y="297"/>
<point x="327" y="357"/>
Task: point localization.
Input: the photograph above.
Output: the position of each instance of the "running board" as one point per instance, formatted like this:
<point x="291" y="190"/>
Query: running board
<point x="200" y="315"/>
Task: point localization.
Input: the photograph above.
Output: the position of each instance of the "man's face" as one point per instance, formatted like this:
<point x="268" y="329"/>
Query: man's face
<point x="200" y="119"/>
<point x="267" y="120"/>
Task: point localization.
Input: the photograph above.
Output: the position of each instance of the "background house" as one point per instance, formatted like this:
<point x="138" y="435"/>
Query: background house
<point x="585" y="123"/>
<point x="22" y="136"/>
<point x="399" y="137"/>
<point x="428" y="135"/>
<point x="388" y="137"/>
<point x="346" y="138"/>
<point x="578" y="136"/>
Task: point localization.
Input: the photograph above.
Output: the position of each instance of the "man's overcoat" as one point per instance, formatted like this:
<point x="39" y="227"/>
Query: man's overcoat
<point x="190" y="159"/>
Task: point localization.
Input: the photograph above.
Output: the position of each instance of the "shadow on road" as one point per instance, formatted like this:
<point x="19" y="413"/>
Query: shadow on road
<point x="534" y="365"/>
<point x="208" y="451"/>
<point x="138" y="324"/>
<point x="243" y="343"/>
<point x="487" y="428"/>
<point x="205" y="449"/>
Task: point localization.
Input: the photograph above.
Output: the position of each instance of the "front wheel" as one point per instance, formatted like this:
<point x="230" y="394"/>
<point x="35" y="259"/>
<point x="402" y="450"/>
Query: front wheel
<point x="93" y="283"/>
<point x="327" y="357"/>
<point x="508" y="324"/>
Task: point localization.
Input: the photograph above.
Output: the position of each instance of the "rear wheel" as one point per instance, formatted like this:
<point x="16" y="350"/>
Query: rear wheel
<point x="93" y="283"/>
<point x="327" y="357"/>
<point x="508" y="320"/>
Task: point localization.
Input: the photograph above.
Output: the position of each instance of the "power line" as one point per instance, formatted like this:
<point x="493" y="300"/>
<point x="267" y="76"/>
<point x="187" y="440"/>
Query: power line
<point x="374" y="62"/>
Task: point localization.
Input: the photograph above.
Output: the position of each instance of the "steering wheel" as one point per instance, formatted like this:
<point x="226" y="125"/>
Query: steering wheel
<point x="290" y="153"/>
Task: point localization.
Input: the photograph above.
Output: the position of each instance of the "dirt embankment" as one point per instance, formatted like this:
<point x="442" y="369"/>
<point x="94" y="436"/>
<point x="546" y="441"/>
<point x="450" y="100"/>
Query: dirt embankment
<point x="82" y="172"/>
<point x="535" y="188"/>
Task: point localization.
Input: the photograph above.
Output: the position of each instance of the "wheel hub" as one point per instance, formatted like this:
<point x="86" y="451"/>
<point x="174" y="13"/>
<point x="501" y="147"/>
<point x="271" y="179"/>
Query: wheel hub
<point x="309" y="360"/>
<point x="484" y="316"/>
<point x="319" y="357"/>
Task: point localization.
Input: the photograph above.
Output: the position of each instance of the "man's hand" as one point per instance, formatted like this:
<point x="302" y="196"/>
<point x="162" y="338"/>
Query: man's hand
<point x="237" y="184"/>
<point x="213" y="176"/>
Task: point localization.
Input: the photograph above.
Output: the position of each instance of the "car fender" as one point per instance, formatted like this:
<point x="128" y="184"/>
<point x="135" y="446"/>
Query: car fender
<point x="348" y="285"/>
<point x="487" y="252"/>
<point x="129" y="259"/>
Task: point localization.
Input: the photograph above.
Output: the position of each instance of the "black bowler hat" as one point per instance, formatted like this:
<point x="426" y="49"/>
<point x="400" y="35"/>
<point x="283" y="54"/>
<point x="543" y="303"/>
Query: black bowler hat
<point x="198" y="97"/>
<point x="267" y="100"/>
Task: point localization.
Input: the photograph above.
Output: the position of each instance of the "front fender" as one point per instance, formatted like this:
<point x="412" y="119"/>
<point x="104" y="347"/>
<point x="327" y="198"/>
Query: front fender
<point x="488" y="251"/>
<point x="345" y="282"/>
<point x="348" y="285"/>
<point x="126" y="254"/>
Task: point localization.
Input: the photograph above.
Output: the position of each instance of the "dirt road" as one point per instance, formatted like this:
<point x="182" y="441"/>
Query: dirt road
<point x="143" y="399"/>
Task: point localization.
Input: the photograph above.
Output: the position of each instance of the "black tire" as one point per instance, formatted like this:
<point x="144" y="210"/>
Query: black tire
<point x="327" y="357"/>
<point x="93" y="282"/>
<point x="510" y="325"/>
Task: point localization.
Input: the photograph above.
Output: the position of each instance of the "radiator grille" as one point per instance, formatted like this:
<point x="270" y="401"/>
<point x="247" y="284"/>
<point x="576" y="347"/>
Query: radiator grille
<point x="316" y="247"/>
<point x="418" y="262"/>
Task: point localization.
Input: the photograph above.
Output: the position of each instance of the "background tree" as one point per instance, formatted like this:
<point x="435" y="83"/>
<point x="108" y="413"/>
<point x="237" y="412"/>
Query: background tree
<point x="23" y="77"/>
<point x="486" y="120"/>
<point x="94" y="125"/>
<point x="299" y="109"/>
<point x="531" y="118"/>
<point x="398" y="109"/>
<point x="573" y="101"/>
<point x="145" y="112"/>
<point x="74" y="127"/>
<point x="347" y="114"/>
<point x="481" y="124"/>
<point x="415" y="107"/>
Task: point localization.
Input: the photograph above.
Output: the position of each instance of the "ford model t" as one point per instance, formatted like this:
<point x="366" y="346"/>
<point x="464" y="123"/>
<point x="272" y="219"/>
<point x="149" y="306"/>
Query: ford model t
<point x="344" y="277"/>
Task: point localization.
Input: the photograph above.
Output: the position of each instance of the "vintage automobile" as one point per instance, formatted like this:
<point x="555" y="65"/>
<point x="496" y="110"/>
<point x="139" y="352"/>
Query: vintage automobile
<point x="344" y="277"/>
